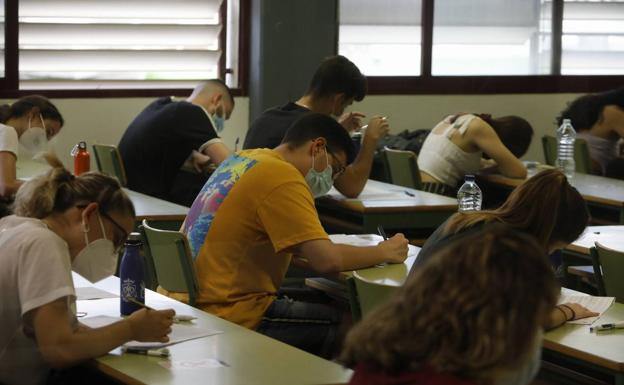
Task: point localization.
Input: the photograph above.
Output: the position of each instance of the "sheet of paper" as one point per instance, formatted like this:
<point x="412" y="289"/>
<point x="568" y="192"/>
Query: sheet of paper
<point x="364" y="240"/>
<point x="372" y="193"/>
<point x="179" y="332"/>
<point x="595" y="304"/>
<point x="207" y="363"/>
<point x="90" y="292"/>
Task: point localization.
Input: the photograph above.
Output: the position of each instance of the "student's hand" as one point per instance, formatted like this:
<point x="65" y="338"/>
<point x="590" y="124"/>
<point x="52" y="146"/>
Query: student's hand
<point x="351" y="121"/>
<point x="378" y="127"/>
<point x="394" y="249"/>
<point x="151" y="325"/>
<point x="579" y="311"/>
<point x="200" y="161"/>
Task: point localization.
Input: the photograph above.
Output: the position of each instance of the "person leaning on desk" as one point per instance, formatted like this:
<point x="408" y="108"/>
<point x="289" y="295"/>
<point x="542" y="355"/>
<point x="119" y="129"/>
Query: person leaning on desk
<point x="30" y="122"/>
<point x="335" y="85"/>
<point x="255" y="212"/>
<point x="63" y="223"/>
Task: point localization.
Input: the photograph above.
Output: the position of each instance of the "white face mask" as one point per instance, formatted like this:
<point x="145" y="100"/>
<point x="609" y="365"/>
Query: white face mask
<point x="34" y="139"/>
<point x="320" y="182"/>
<point x="98" y="259"/>
<point x="525" y="374"/>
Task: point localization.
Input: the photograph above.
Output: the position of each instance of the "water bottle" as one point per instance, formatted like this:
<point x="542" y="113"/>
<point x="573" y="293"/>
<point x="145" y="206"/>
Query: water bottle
<point x="82" y="159"/>
<point x="131" y="276"/>
<point x="469" y="195"/>
<point x="565" y="151"/>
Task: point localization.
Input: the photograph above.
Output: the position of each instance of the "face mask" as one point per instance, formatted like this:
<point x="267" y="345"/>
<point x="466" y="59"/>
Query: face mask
<point x="98" y="259"/>
<point x="34" y="139"/>
<point x="320" y="182"/>
<point x="527" y="372"/>
<point x="219" y="122"/>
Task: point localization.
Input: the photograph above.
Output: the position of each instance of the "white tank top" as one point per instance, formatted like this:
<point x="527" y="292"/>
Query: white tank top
<point x="443" y="159"/>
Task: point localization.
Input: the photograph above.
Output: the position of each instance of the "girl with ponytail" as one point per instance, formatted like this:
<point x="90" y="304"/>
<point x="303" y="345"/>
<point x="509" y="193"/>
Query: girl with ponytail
<point x="30" y="121"/>
<point x="63" y="223"/>
<point x="464" y="143"/>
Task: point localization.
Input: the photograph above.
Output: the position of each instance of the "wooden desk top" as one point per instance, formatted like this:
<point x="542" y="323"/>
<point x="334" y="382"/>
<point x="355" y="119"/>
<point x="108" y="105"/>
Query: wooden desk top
<point x="380" y="197"/>
<point x="609" y="236"/>
<point x="252" y="357"/>
<point x="151" y="208"/>
<point x="603" y="349"/>
<point x="594" y="188"/>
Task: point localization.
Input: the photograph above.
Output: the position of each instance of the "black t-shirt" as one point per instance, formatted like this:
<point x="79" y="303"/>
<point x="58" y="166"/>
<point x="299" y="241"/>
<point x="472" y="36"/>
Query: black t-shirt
<point x="268" y="130"/>
<point x="159" y="140"/>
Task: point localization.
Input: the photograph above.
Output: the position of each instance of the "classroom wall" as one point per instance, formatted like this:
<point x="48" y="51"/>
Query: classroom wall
<point x="104" y="120"/>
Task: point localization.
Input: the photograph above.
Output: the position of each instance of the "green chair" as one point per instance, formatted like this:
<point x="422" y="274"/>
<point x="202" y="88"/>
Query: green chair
<point x="170" y="256"/>
<point x="402" y="168"/>
<point x="610" y="265"/>
<point x="581" y="153"/>
<point x="109" y="162"/>
<point x="364" y="295"/>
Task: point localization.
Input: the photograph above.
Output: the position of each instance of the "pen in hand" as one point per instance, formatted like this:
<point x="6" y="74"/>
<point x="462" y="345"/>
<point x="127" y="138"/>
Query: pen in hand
<point x="176" y="318"/>
<point x="381" y="232"/>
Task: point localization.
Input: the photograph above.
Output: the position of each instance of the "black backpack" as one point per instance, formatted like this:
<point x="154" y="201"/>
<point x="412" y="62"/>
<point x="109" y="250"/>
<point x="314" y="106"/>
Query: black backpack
<point x="406" y="140"/>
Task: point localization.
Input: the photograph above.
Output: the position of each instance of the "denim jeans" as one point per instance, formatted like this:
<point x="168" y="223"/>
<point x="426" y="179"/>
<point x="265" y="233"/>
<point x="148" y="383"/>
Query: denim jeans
<point x="312" y="327"/>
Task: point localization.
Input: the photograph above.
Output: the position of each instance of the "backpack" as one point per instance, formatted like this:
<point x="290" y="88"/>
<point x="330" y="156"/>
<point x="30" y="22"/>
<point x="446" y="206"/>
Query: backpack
<point x="406" y="140"/>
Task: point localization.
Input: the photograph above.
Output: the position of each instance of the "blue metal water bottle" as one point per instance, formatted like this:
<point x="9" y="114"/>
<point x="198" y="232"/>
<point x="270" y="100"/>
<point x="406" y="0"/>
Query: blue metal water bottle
<point x="131" y="275"/>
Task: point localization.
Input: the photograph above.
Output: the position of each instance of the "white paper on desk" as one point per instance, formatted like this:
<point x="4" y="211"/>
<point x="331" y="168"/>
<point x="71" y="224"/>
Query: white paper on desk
<point x="595" y="304"/>
<point x="363" y="240"/>
<point x="90" y="292"/>
<point x="373" y="193"/>
<point x="179" y="332"/>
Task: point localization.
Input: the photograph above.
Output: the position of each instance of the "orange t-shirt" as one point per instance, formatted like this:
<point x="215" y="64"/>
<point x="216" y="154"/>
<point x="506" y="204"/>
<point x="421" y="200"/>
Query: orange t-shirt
<point x="253" y="207"/>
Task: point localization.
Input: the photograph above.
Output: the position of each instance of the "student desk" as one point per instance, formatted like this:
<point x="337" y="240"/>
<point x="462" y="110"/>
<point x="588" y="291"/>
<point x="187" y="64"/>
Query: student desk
<point x="581" y="353"/>
<point x="609" y="236"/>
<point x="168" y="215"/>
<point x="394" y="207"/>
<point x="252" y="358"/>
<point x="604" y="196"/>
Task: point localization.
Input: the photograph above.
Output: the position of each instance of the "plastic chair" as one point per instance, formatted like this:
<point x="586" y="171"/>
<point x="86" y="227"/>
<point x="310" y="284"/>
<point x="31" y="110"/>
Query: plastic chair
<point x="170" y="256"/>
<point x="364" y="295"/>
<point x="402" y="168"/>
<point x="610" y="265"/>
<point x="109" y="162"/>
<point x="581" y="153"/>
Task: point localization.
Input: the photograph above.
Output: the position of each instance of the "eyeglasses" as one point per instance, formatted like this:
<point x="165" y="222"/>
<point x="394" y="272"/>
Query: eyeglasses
<point x="118" y="241"/>
<point x="337" y="171"/>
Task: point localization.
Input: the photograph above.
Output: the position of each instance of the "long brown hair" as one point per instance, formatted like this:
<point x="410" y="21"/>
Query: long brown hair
<point x="473" y="311"/>
<point x="545" y="206"/>
<point x="58" y="190"/>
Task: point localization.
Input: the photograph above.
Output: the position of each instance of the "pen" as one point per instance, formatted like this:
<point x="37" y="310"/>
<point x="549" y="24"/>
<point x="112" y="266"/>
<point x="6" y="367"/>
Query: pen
<point x="381" y="232"/>
<point x="609" y="326"/>
<point x="138" y="303"/>
<point x="236" y="144"/>
<point x="163" y="352"/>
<point x="409" y="193"/>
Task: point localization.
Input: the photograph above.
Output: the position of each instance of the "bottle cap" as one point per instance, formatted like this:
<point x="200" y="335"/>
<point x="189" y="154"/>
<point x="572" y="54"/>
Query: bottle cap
<point x="82" y="145"/>
<point x="134" y="237"/>
<point x="469" y="178"/>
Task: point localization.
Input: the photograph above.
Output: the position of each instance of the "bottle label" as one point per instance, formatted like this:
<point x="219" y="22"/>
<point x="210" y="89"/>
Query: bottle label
<point x="129" y="289"/>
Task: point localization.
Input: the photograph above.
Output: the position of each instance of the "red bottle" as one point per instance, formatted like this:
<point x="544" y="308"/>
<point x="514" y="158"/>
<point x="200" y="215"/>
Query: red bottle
<point x="82" y="159"/>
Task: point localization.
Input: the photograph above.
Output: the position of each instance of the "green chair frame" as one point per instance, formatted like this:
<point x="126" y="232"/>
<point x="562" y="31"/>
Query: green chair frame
<point x="608" y="268"/>
<point x="402" y="168"/>
<point x="581" y="153"/>
<point x="365" y="295"/>
<point x="109" y="162"/>
<point x="169" y="255"/>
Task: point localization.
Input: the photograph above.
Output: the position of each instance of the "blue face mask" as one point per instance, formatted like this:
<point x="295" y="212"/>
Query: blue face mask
<point x="320" y="182"/>
<point x="219" y="122"/>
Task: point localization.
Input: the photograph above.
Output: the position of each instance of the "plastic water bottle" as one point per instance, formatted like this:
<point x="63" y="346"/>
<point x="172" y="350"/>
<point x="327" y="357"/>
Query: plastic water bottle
<point x="565" y="151"/>
<point x="131" y="275"/>
<point x="469" y="195"/>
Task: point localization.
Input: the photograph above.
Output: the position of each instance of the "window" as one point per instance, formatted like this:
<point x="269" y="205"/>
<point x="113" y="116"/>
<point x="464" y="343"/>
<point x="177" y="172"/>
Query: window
<point x="54" y="46"/>
<point x="485" y="46"/>
<point x="593" y="37"/>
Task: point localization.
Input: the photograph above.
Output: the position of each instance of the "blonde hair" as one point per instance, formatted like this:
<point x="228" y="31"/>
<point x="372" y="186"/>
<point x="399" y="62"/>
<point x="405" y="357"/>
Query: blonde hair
<point x="473" y="310"/>
<point x="545" y="206"/>
<point x="58" y="190"/>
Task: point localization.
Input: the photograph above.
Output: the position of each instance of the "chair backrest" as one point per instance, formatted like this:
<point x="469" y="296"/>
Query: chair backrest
<point x="109" y="162"/>
<point x="581" y="153"/>
<point x="368" y="295"/>
<point x="611" y="267"/>
<point x="172" y="261"/>
<point x="402" y="168"/>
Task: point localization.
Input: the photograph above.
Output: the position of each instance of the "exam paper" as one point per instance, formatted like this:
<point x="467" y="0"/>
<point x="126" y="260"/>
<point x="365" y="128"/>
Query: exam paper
<point x="595" y="304"/>
<point x="90" y="292"/>
<point x="179" y="332"/>
<point x="365" y="240"/>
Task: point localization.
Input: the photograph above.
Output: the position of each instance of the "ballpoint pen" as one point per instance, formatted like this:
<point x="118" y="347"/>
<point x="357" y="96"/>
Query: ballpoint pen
<point x="609" y="326"/>
<point x="176" y="318"/>
<point x="381" y="232"/>
<point x="162" y="352"/>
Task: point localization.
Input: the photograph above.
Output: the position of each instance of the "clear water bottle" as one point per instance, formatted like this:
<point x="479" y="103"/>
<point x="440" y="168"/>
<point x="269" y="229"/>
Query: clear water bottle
<point x="565" y="150"/>
<point x="469" y="195"/>
<point x="131" y="276"/>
